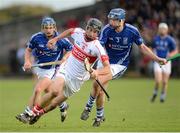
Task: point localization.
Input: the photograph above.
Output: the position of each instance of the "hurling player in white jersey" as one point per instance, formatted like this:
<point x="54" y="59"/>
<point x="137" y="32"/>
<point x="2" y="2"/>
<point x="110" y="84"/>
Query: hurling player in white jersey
<point x="117" y="37"/>
<point x="72" y="73"/>
<point x="164" y="46"/>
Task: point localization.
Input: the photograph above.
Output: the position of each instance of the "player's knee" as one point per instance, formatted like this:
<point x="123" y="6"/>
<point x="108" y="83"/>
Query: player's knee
<point x="55" y="93"/>
<point x="165" y="83"/>
<point x="101" y="93"/>
<point x="158" y="83"/>
<point x="46" y="90"/>
<point x="95" y="87"/>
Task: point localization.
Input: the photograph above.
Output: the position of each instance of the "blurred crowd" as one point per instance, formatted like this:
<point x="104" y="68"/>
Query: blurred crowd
<point x="144" y="14"/>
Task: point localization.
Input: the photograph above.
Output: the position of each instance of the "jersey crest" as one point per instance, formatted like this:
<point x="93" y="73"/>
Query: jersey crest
<point x="125" y="41"/>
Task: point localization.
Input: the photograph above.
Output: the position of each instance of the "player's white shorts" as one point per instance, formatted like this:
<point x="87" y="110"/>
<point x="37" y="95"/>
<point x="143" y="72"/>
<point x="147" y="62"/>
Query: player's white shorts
<point x="164" y="68"/>
<point x="116" y="69"/>
<point x="42" y="73"/>
<point x="72" y="85"/>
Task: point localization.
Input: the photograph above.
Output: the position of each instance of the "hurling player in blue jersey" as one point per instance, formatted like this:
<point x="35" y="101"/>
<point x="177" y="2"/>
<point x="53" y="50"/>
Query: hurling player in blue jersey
<point x="37" y="47"/>
<point x="164" y="46"/>
<point x="117" y="37"/>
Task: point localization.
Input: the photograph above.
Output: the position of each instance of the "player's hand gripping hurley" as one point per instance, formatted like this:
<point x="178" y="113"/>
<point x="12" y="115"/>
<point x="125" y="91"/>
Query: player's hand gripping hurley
<point x="173" y="57"/>
<point x="176" y="56"/>
<point x="89" y="69"/>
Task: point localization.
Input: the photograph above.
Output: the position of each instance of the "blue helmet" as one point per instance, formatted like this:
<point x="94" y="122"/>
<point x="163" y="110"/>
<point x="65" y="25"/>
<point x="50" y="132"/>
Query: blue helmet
<point x="117" y="13"/>
<point x="48" y="21"/>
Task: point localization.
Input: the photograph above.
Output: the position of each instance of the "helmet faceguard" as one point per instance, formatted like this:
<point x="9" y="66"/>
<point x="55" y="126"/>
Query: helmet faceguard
<point x="48" y="21"/>
<point x="117" y="13"/>
<point x="95" y="24"/>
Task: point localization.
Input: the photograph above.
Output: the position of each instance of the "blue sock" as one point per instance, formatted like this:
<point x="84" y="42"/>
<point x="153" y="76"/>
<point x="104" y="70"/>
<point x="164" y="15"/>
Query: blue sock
<point x="62" y="106"/>
<point x="100" y="112"/>
<point x="90" y="103"/>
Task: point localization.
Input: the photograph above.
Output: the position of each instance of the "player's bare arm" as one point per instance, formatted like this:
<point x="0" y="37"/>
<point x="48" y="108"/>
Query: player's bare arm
<point x="27" y="59"/>
<point x="64" y="34"/>
<point x="147" y="51"/>
<point x="173" y="53"/>
<point x="105" y="71"/>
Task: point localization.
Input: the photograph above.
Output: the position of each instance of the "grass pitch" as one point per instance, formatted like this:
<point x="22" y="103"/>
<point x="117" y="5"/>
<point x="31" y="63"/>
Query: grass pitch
<point x="128" y="110"/>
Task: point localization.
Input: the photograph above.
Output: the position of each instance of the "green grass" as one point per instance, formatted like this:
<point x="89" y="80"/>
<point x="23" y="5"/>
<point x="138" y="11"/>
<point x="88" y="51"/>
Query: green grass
<point x="128" y="110"/>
